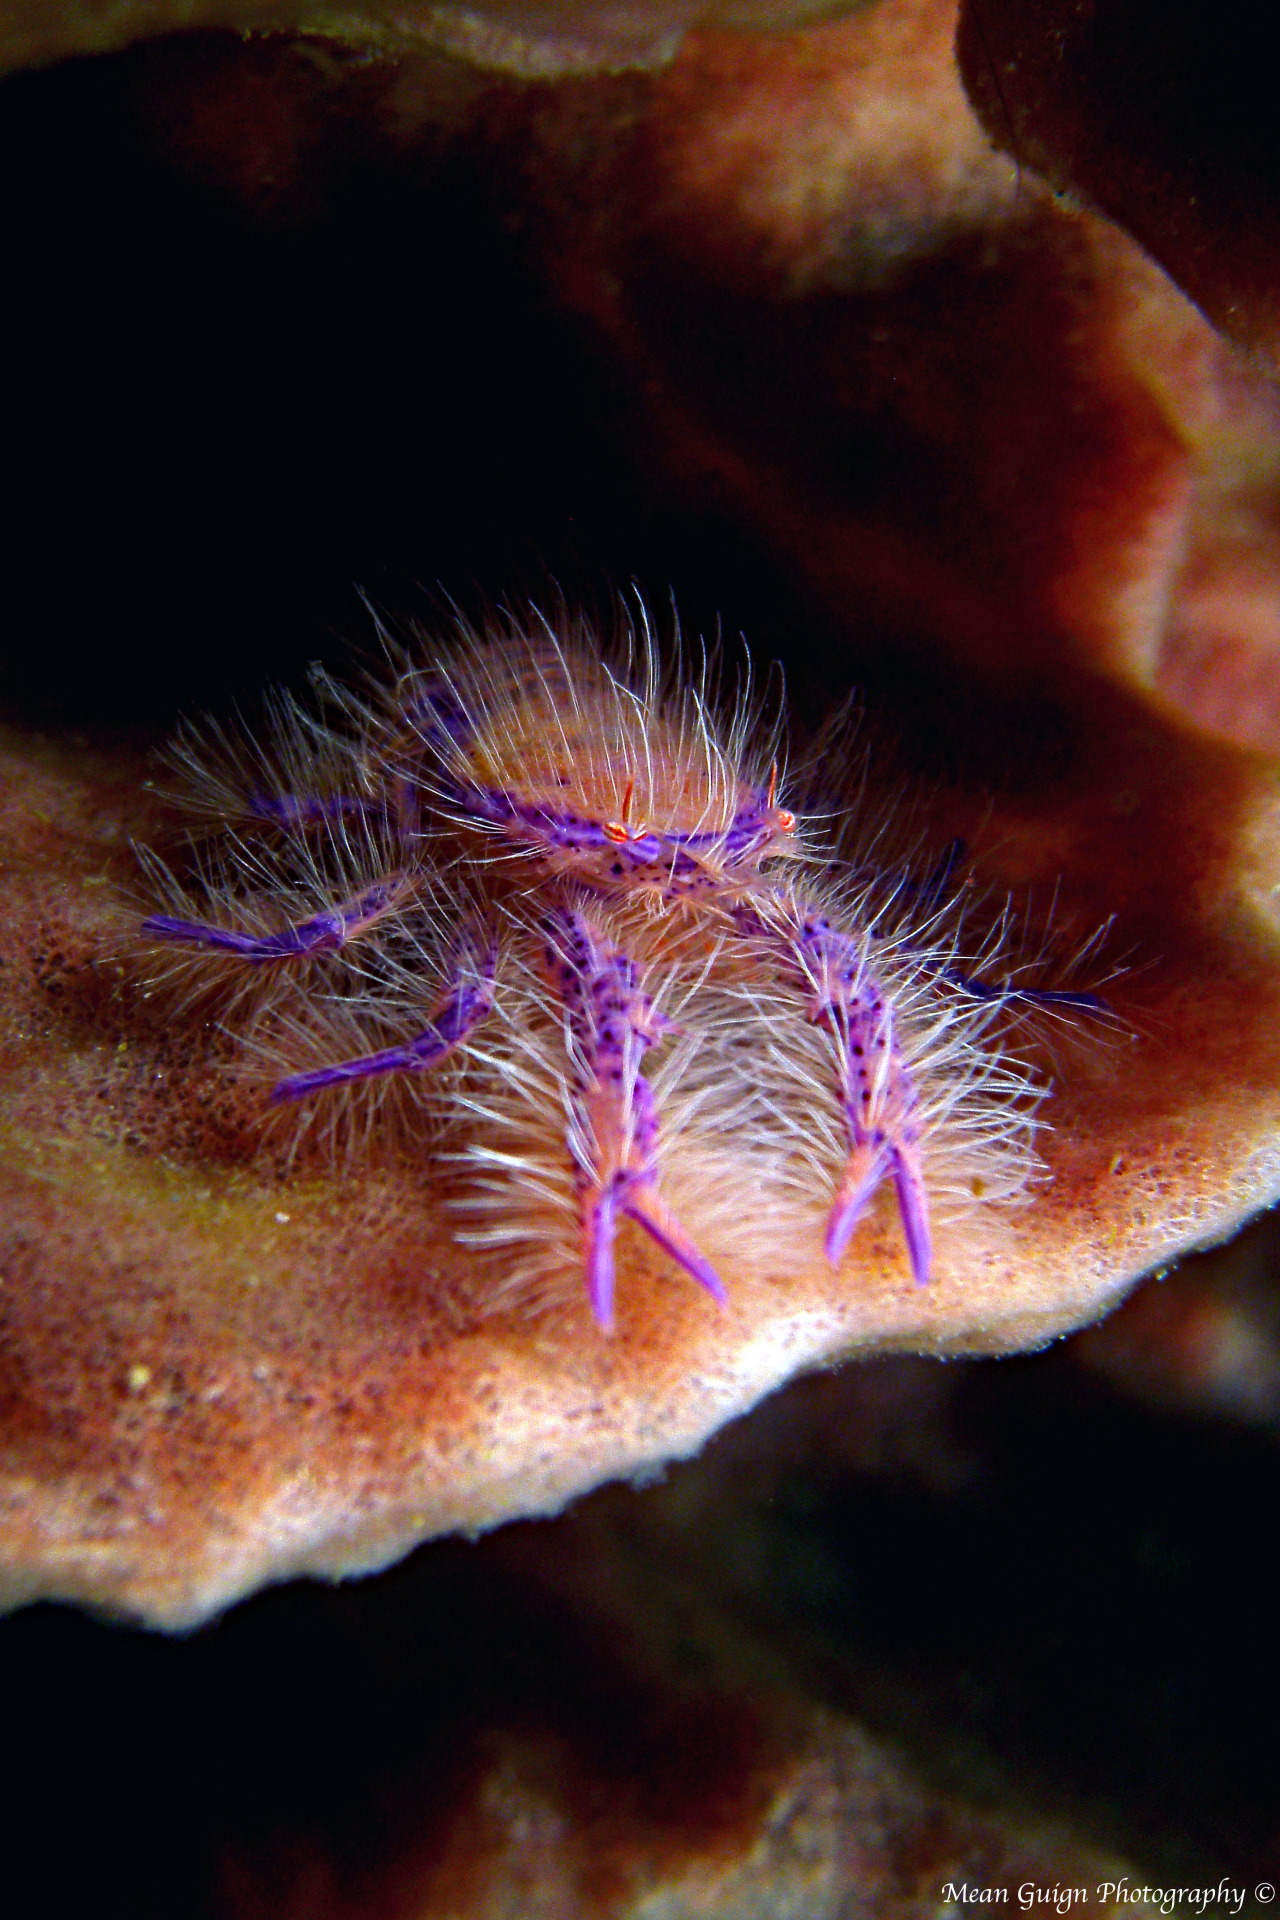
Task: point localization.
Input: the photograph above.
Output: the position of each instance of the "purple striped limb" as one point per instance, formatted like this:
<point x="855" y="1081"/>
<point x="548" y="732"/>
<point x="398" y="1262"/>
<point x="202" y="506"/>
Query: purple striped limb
<point x="398" y="807"/>
<point x="1062" y="997"/>
<point x="323" y="933"/>
<point x="875" y="1088"/>
<point x="874" y="1155"/>
<point x="463" y="1004"/>
<point x="633" y="1193"/>
<point x="930" y="893"/>
<point x="612" y="1023"/>
<point x="397" y="804"/>
<point x="298" y="810"/>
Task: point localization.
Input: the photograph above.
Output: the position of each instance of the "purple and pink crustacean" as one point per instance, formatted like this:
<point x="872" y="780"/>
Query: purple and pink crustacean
<point x="551" y="870"/>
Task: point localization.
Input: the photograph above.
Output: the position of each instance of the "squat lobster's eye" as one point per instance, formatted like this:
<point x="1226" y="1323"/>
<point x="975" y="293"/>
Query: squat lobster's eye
<point x="618" y="831"/>
<point x="783" y="819"/>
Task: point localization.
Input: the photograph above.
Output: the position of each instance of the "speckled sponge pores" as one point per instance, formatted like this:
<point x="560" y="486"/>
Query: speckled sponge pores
<point x="216" y="1375"/>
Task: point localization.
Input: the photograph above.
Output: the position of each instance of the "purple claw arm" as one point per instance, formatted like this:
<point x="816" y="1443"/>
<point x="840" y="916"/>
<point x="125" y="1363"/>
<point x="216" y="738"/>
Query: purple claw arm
<point x="600" y="1216"/>
<point x="913" y="1209"/>
<point x="875" y="1088"/>
<point x="879" y="1099"/>
<point x="862" y="1176"/>
<point x="644" y="1205"/>
<point x="614" y="1023"/>
<point x="639" y="1200"/>
<point x="871" y="1159"/>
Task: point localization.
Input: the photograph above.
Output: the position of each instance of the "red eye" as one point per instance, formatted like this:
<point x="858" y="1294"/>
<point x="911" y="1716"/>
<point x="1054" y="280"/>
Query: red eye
<point x="612" y="831"/>
<point x="786" y="821"/>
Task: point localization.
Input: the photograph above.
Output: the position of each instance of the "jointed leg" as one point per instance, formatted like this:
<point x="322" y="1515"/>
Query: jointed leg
<point x="1028" y="996"/>
<point x="929" y="894"/>
<point x="875" y="1088"/>
<point x="323" y="933"/>
<point x="298" y="810"/>
<point x="612" y="1023"/>
<point x="879" y="1104"/>
<point x="466" y="1000"/>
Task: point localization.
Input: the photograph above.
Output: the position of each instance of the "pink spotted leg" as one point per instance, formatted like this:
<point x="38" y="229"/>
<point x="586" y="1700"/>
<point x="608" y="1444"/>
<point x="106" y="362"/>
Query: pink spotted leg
<point x="875" y="1088"/>
<point x="611" y="1025"/>
<point x="879" y="1100"/>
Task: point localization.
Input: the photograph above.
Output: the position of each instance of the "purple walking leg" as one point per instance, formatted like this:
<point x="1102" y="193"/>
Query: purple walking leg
<point x="462" y="1005"/>
<point x="879" y="1100"/>
<point x="297" y="810"/>
<point x="323" y="933"/>
<point x="875" y="1088"/>
<point x="613" y="1023"/>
